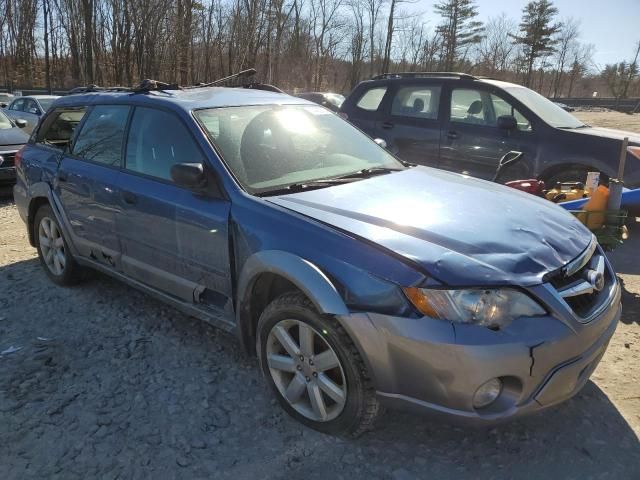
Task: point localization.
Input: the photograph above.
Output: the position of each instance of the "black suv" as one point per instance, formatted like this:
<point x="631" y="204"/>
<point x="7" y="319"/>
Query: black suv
<point x="462" y="123"/>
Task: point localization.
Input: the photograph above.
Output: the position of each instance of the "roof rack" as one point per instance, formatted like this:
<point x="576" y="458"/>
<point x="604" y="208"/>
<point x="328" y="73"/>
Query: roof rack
<point x="385" y="76"/>
<point x="96" y="88"/>
<point x="148" y="85"/>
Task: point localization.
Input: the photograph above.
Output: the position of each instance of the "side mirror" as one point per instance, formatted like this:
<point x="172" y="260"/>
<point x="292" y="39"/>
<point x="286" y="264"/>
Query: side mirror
<point x="507" y="122"/>
<point x="381" y="142"/>
<point x="3" y="105"/>
<point x="20" y="123"/>
<point x="189" y="175"/>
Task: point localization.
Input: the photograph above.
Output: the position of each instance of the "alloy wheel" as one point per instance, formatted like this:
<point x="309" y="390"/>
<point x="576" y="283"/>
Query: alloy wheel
<point x="306" y="370"/>
<point x="52" y="246"/>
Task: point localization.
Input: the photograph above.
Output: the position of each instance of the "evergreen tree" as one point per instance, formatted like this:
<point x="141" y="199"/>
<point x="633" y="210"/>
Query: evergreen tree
<point x="537" y="32"/>
<point x="458" y="29"/>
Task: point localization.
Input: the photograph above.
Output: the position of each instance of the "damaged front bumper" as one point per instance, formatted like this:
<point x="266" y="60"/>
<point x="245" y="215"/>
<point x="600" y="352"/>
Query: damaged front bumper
<point x="436" y="366"/>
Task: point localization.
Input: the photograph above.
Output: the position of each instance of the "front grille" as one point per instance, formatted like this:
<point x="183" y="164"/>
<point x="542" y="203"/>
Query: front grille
<point x="9" y="159"/>
<point x="585" y="304"/>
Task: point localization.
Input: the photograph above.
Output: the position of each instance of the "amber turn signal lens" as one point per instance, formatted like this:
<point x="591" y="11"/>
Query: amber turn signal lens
<point x="420" y="301"/>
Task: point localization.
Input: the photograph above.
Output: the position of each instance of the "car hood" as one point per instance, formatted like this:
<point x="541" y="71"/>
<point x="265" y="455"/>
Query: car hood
<point x="608" y="133"/>
<point x="12" y="136"/>
<point x="456" y="229"/>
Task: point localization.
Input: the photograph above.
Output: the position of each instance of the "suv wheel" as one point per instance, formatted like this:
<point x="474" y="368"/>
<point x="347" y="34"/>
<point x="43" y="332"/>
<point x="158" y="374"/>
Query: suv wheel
<point x="314" y="369"/>
<point x="54" y="255"/>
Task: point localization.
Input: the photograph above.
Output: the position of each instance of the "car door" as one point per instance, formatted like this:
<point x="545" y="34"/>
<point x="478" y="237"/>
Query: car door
<point x="411" y="126"/>
<point x="172" y="239"/>
<point x="86" y="182"/>
<point x="471" y="141"/>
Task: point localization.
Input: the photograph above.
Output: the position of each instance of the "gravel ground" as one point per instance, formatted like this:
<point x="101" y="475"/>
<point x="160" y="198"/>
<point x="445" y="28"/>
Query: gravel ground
<point x="109" y="383"/>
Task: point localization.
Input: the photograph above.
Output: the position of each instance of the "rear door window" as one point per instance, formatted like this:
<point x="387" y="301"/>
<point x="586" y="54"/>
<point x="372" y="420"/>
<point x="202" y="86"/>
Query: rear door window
<point x="157" y="141"/>
<point x="417" y="102"/>
<point x="371" y="99"/>
<point x="102" y="134"/>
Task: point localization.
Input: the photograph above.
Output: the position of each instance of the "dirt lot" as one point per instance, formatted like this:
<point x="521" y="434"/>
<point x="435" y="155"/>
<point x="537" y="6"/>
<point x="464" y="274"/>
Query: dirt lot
<point x="622" y="121"/>
<point x="109" y="383"/>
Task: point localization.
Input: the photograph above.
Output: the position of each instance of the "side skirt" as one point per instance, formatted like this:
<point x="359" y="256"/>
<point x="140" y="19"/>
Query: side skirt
<point x="212" y="315"/>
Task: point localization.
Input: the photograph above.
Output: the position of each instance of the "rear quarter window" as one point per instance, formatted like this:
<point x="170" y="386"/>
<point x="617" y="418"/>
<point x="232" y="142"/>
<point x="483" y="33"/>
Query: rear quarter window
<point x="371" y="99"/>
<point x="59" y="127"/>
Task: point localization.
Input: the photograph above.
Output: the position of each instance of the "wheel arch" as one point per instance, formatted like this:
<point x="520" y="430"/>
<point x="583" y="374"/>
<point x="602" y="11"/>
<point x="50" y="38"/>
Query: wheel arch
<point x="573" y="164"/>
<point x="40" y="195"/>
<point x="268" y="274"/>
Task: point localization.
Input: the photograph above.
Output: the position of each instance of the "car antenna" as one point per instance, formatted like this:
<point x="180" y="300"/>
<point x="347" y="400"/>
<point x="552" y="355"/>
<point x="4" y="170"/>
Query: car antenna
<point x="244" y="73"/>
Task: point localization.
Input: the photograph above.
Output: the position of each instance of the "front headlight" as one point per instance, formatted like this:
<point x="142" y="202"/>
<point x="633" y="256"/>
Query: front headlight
<point x="493" y="308"/>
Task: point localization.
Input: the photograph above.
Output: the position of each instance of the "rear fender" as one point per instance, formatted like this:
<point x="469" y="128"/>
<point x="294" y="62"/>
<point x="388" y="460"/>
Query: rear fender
<point x="39" y="192"/>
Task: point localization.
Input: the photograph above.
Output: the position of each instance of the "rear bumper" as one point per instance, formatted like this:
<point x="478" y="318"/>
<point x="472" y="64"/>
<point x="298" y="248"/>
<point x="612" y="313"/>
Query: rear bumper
<point x="435" y="367"/>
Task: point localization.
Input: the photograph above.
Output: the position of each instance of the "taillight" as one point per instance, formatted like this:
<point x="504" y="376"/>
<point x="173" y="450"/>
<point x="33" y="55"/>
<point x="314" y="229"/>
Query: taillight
<point x="17" y="159"/>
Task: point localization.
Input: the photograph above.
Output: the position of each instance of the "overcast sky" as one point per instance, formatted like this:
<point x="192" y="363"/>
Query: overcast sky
<point x="613" y="26"/>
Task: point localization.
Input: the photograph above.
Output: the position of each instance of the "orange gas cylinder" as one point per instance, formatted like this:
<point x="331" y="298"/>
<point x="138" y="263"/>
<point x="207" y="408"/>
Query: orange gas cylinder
<point x="594" y="209"/>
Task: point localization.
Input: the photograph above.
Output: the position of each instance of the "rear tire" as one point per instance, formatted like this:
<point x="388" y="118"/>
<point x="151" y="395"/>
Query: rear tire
<point x="53" y="251"/>
<point x="334" y="394"/>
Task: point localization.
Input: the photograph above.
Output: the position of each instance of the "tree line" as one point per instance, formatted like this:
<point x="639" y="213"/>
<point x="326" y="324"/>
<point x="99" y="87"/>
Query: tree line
<point x="295" y="44"/>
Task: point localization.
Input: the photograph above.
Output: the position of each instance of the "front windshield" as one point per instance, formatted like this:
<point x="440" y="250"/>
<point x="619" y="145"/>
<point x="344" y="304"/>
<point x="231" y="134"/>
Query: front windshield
<point x="545" y="109"/>
<point x="4" y="122"/>
<point x="269" y="147"/>
<point x="46" y="103"/>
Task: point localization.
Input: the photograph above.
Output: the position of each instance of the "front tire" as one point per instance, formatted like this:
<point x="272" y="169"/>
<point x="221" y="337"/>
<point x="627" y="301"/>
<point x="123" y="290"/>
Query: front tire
<point x="53" y="252"/>
<point x="314" y="369"/>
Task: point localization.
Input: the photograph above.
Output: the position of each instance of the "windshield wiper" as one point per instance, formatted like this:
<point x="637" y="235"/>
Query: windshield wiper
<point x="304" y="186"/>
<point x="368" y="172"/>
<point x="328" y="182"/>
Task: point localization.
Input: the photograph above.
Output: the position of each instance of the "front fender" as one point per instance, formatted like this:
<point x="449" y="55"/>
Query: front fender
<point x="302" y="273"/>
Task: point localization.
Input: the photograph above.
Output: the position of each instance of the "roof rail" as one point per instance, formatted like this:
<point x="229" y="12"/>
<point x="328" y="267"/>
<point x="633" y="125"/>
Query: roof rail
<point x="385" y="76"/>
<point x="96" y="88"/>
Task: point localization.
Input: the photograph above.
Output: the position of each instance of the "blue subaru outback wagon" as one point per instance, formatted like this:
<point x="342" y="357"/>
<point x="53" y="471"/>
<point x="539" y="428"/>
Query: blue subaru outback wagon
<point x="359" y="281"/>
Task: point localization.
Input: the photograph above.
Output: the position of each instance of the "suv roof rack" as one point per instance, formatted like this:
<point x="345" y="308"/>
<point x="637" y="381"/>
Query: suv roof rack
<point x="385" y="76"/>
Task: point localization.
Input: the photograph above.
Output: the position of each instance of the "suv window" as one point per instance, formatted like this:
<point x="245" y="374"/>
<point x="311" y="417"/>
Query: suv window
<point x="417" y="102"/>
<point x="101" y="137"/>
<point x="502" y="107"/>
<point x="470" y="106"/>
<point x="371" y="99"/>
<point x="157" y="141"/>
<point x="57" y="130"/>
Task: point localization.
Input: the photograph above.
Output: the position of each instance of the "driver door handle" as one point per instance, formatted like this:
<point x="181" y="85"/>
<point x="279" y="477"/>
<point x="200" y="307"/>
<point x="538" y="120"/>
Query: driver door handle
<point x="387" y="125"/>
<point x="452" y="134"/>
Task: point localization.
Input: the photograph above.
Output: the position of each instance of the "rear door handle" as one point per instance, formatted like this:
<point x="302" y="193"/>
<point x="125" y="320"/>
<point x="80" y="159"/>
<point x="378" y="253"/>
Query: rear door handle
<point x="387" y="125"/>
<point x="129" y="198"/>
<point x="452" y="135"/>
